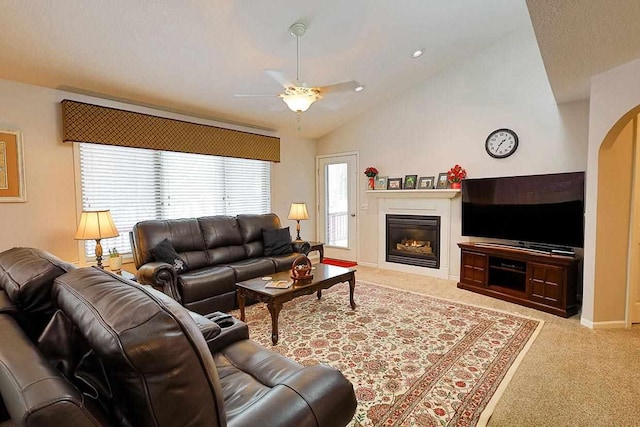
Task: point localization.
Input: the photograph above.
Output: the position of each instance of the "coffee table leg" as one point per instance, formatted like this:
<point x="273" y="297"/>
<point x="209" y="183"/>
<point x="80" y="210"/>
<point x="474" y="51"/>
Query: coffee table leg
<point x="274" y="309"/>
<point x="320" y="294"/>
<point x="352" y="288"/>
<point x="241" y="304"/>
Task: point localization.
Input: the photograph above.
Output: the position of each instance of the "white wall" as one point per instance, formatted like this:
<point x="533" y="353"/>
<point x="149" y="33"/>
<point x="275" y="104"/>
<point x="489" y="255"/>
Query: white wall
<point x="446" y="121"/>
<point x="613" y="94"/>
<point x="293" y="180"/>
<point x="49" y="217"/>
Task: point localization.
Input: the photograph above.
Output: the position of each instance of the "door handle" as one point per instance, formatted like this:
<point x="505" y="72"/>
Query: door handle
<point x="353" y="215"/>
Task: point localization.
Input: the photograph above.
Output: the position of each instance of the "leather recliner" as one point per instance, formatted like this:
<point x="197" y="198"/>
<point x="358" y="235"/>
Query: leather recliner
<point x="118" y="353"/>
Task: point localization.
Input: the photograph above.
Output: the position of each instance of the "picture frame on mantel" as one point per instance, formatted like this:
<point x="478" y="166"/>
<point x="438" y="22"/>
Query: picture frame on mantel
<point x="443" y="181"/>
<point x="380" y="183"/>
<point x="426" y="182"/>
<point x="410" y="182"/>
<point x="394" y="184"/>
<point x="12" y="177"/>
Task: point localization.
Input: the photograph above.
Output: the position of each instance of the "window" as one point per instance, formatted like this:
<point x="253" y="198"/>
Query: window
<point x="138" y="184"/>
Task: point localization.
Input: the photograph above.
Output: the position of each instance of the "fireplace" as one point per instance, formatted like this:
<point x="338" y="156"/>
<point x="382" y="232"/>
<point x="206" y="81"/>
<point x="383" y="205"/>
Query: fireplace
<point x="413" y="240"/>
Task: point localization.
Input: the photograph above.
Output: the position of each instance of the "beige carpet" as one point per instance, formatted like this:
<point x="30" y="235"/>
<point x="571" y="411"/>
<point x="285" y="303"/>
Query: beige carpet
<point x="571" y="375"/>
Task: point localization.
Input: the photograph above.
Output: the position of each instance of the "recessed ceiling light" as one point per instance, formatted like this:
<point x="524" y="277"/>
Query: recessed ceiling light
<point x="417" y="53"/>
<point x="359" y="88"/>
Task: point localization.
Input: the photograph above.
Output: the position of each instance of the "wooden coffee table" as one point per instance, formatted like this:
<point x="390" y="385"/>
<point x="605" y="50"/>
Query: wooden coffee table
<point x="324" y="276"/>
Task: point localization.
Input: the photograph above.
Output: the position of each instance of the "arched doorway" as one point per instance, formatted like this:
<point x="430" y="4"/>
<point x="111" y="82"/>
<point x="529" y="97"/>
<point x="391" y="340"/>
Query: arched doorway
<point x="617" y="273"/>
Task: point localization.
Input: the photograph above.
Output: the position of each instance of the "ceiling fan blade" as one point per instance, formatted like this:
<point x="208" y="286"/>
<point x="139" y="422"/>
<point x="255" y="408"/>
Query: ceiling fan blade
<point x="279" y="77"/>
<point x="248" y="95"/>
<point x="349" y="86"/>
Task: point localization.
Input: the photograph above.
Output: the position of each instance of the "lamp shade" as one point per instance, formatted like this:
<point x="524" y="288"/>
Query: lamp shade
<point x="96" y="225"/>
<point x="300" y="98"/>
<point x="298" y="211"/>
<point x="298" y="103"/>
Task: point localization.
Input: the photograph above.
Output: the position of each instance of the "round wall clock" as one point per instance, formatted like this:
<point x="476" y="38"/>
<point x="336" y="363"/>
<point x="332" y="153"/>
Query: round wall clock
<point x="501" y="143"/>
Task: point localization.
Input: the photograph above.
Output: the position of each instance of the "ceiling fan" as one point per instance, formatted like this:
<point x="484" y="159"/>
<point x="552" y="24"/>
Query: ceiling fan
<point x="297" y="95"/>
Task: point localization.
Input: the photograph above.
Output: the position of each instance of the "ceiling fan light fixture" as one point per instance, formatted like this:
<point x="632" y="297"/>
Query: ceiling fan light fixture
<point x="299" y="99"/>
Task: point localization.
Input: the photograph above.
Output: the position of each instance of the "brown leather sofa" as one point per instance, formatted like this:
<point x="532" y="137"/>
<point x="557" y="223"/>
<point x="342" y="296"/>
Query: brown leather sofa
<point x="118" y="353"/>
<point x="219" y="250"/>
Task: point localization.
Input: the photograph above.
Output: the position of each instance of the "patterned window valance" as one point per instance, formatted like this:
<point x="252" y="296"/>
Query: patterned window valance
<point x="102" y="125"/>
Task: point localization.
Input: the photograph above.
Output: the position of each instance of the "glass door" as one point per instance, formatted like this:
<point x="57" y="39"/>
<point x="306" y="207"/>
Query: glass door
<point x="337" y="206"/>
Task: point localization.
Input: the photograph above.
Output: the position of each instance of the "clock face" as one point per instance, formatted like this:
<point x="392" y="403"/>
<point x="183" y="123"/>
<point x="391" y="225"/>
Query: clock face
<point x="501" y="143"/>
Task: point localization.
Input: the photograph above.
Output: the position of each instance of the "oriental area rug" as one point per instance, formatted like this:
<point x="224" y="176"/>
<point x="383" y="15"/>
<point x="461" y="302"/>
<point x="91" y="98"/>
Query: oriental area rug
<point x="413" y="360"/>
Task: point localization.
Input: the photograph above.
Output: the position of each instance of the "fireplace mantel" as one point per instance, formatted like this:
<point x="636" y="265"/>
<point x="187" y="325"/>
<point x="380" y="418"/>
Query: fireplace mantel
<point x="416" y="202"/>
<point x="415" y="194"/>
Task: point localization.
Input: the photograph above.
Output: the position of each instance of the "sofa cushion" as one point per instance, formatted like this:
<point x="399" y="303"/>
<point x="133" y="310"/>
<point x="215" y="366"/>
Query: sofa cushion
<point x="251" y="228"/>
<point x="277" y="242"/>
<point x="251" y="268"/>
<point x="160" y="369"/>
<point x="220" y="231"/>
<point x="205" y="283"/>
<point x="165" y="252"/>
<point x="27" y="274"/>
<point x="283" y="262"/>
<point x="184" y="235"/>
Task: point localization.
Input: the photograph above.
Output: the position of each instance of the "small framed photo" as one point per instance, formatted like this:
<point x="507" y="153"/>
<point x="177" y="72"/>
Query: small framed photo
<point x="410" y="182"/>
<point x="442" y="180"/>
<point x="394" y="184"/>
<point x="426" y="182"/>
<point x="381" y="183"/>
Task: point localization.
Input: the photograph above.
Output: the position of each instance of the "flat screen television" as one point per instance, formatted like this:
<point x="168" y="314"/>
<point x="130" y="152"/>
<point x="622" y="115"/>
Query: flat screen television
<point x="540" y="209"/>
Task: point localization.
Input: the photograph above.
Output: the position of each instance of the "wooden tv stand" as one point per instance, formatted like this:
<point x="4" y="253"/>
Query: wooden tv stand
<point x="531" y="278"/>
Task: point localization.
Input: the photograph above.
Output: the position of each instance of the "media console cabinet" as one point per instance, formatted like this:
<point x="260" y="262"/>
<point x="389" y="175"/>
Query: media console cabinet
<point x="534" y="279"/>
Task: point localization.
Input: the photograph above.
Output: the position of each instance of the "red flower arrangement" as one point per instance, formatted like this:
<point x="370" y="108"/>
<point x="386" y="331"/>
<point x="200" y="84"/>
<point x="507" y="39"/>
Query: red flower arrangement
<point x="371" y="171"/>
<point x="456" y="174"/>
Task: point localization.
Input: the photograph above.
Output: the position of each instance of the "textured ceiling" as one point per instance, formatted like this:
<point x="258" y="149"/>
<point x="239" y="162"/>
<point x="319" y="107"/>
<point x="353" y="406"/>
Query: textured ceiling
<point x="581" y="38"/>
<point x="192" y="56"/>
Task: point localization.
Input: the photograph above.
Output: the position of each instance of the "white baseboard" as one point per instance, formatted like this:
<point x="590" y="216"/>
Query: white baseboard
<point x="614" y="324"/>
<point x="368" y="264"/>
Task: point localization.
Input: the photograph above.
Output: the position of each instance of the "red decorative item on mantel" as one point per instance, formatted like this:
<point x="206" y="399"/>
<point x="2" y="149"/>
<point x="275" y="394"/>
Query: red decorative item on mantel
<point x="371" y="172"/>
<point x="455" y="176"/>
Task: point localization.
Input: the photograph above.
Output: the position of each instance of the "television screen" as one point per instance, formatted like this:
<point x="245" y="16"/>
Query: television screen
<point x="547" y="209"/>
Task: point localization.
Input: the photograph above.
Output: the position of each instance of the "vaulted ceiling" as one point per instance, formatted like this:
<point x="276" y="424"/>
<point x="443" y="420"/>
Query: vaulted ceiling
<point x="193" y="56"/>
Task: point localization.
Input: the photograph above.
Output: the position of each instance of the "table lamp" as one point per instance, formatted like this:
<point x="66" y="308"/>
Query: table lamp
<point x="96" y="225"/>
<point x="298" y="211"/>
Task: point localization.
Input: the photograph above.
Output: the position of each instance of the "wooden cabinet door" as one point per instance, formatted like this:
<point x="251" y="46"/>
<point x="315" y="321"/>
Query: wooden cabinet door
<point x="473" y="268"/>
<point x="546" y="284"/>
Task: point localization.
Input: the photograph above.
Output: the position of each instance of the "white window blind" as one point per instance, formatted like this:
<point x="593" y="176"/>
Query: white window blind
<point x="138" y="184"/>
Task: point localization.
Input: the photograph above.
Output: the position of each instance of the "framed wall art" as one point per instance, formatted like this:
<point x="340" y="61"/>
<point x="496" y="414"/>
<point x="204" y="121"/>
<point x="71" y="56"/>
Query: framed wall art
<point x="410" y="182"/>
<point x="380" y="183"/>
<point x="394" y="184"/>
<point x="442" y="180"/>
<point x="12" y="182"/>
<point x="426" y="182"/>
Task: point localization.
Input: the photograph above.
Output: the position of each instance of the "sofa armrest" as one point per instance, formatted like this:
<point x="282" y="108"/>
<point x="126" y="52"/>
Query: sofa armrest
<point x="327" y="392"/>
<point x="232" y="330"/>
<point x="301" y="246"/>
<point x="161" y="276"/>
<point x="315" y="396"/>
<point x="290" y="410"/>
